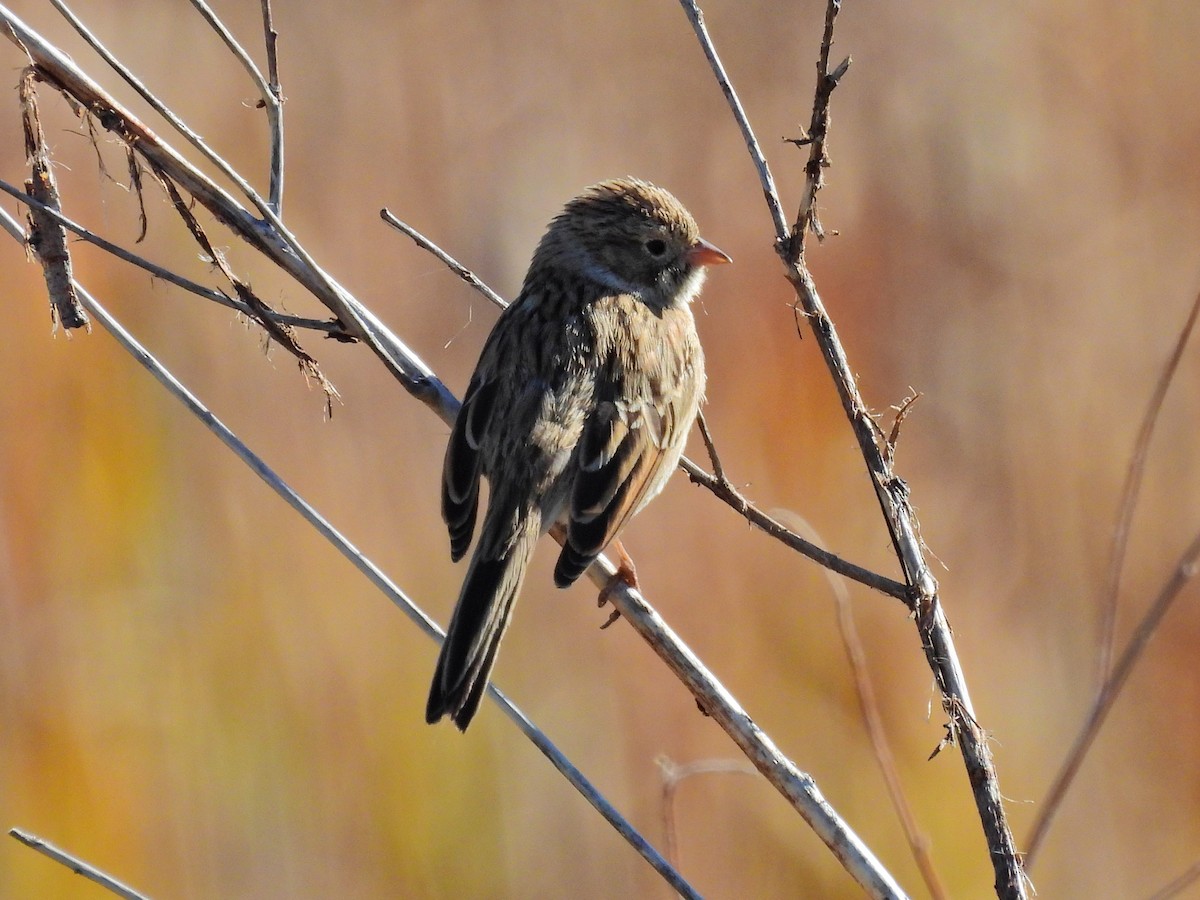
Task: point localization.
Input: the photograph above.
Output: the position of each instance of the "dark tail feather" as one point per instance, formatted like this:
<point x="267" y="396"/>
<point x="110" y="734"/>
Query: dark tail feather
<point x="473" y="638"/>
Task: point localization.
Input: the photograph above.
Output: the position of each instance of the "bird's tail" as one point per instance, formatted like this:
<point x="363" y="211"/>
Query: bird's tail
<point x="480" y="619"/>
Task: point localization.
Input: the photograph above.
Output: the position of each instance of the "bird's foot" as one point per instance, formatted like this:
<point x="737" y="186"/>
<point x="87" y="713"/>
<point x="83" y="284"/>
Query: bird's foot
<point x="626" y="574"/>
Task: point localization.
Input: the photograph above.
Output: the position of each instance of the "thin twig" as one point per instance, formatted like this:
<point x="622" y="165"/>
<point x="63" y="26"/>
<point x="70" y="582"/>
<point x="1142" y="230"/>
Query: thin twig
<point x="918" y="841"/>
<point x="713" y="456"/>
<point x="807" y="218"/>
<point x="269" y="93"/>
<point x="449" y="261"/>
<point x="893" y="435"/>
<point x="76" y="865"/>
<point x="331" y="327"/>
<point x="892" y="493"/>
<point x="776" y="529"/>
<point x="373" y="573"/>
<point x="1183" y="572"/>
<point x="1130" y="493"/>
<point x="770" y="194"/>
<point x="274" y="107"/>
<point x="673" y="775"/>
<point x="1179" y="884"/>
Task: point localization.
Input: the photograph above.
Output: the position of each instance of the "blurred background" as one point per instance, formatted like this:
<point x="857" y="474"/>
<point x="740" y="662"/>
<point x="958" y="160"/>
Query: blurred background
<point x="202" y="697"/>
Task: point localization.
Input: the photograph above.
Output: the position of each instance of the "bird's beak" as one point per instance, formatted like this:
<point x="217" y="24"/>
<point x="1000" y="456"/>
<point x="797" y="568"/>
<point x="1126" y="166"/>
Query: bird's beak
<point x="702" y="253"/>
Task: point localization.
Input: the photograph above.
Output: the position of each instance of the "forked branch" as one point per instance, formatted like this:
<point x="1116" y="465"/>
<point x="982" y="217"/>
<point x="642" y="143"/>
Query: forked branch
<point x="890" y="489"/>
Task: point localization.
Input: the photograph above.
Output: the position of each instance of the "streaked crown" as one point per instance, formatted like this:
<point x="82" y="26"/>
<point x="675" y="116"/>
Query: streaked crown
<point x="628" y="236"/>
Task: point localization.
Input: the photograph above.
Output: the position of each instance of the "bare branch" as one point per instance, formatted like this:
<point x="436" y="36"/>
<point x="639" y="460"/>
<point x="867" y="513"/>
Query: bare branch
<point x="270" y="94"/>
<point x="47" y="238"/>
<point x="1184" y="571"/>
<point x="1130" y="492"/>
<point x="892" y="493"/>
<point x="770" y="194"/>
<point x="331" y="327"/>
<point x="449" y="261"/>
<point x="76" y="865"/>
<point x="274" y="107"/>
<point x="807" y="218"/>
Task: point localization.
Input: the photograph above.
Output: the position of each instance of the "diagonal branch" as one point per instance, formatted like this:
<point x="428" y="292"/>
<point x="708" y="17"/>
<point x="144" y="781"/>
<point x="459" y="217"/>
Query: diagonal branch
<point x="770" y="194"/>
<point x="1108" y="688"/>
<point x="1184" y="571"/>
<point x="890" y="489"/>
<point x="331" y="327"/>
<point x="1130" y="492"/>
<point x="76" y="865"/>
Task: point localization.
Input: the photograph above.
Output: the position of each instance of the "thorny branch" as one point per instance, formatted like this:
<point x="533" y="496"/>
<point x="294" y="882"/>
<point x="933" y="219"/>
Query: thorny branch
<point x="807" y="218"/>
<point x="892" y="493"/>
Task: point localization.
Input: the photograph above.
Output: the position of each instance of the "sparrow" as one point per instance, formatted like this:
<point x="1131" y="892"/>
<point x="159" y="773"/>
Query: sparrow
<point x="578" y="410"/>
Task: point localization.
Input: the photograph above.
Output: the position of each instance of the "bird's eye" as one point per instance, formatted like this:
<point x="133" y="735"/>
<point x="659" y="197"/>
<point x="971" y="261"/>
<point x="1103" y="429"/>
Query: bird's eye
<point x="655" y="247"/>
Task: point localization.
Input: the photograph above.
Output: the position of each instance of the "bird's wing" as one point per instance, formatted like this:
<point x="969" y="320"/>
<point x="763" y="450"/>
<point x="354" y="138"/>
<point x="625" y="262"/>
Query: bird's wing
<point x="620" y="460"/>
<point x="462" y="466"/>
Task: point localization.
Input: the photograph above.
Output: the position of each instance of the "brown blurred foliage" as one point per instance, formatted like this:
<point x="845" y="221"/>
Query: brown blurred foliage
<point x="199" y="695"/>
